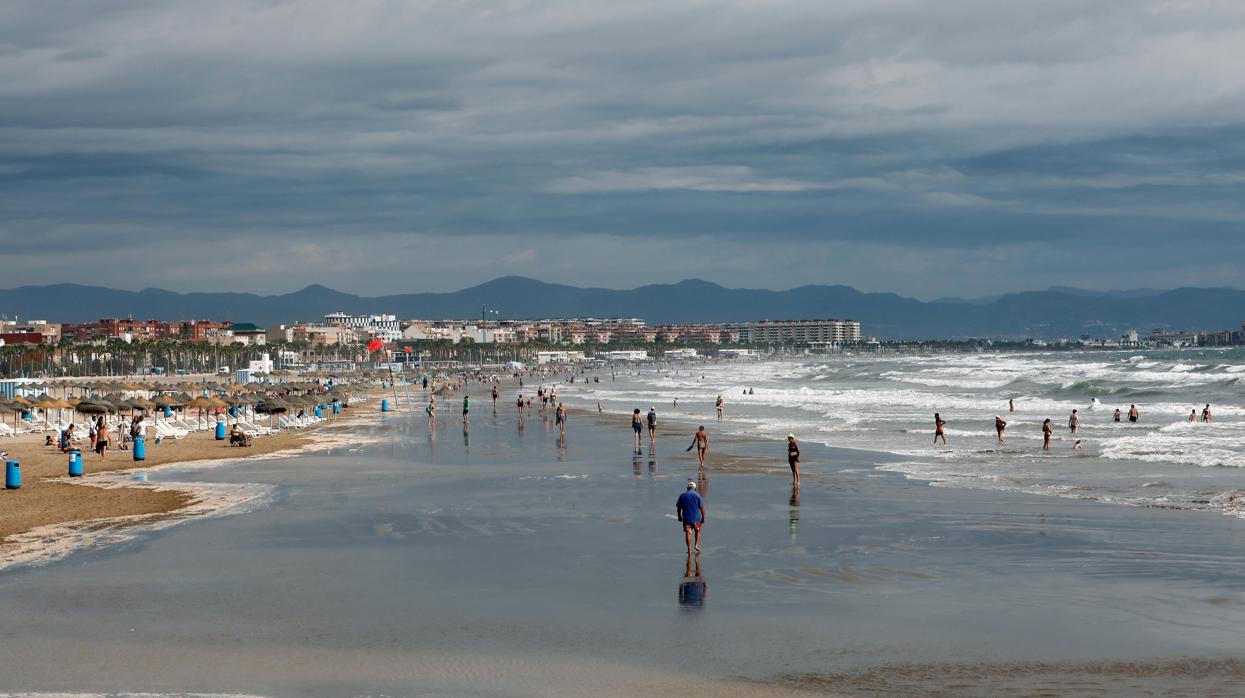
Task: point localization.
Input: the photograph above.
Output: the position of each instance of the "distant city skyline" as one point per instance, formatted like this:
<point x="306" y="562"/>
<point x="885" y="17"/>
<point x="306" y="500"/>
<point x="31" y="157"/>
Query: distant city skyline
<point x="959" y="149"/>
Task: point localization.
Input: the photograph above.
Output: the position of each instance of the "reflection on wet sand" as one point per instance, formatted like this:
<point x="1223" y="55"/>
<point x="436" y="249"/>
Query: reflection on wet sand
<point x="794" y="523"/>
<point x="692" y="589"/>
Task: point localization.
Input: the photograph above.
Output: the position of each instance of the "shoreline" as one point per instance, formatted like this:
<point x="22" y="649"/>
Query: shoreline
<point x="53" y="515"/>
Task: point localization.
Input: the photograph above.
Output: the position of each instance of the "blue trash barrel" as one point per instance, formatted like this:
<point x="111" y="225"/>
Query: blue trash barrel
<point x="75" y="463"/>
<point x="12" y="475"/>
<point x="384" y="405"/>
<point x="220" y="431"/>
<point x="168" y="411"/>
<point x="337" y="408"/>
<point x="140" y="448"/>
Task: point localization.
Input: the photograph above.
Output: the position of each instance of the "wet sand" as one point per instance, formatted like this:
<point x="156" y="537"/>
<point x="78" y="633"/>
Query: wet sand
<point x="494" y="561"/>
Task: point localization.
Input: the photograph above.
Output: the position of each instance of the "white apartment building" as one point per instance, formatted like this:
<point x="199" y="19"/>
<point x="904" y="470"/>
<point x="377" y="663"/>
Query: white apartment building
<point x="384" y="326"/>
<point x="800" y="331"/>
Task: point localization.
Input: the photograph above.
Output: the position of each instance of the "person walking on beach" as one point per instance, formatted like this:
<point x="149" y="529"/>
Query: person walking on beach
<point x="495" y="393"/>
<point x="719" y="407"/>
<point x="652" y="425"/>
<point x="690" y="510"/>
<point x="101" y="436"/>
<point x="560" y="419"/>
<point x="938" y="432"/>
<point x="793" y="459"/>
<point x="1133" y="414"/>
<point x="701" y="443"/>
<point x="1046" y="433"/>
<point x="1074" y="422"/>
<point x="637" y="426"/>
<point x="999" y="426"/>
<point x="466" y="409"/>
<point x="431" y="409"/>
<point x="1206" y="413"/>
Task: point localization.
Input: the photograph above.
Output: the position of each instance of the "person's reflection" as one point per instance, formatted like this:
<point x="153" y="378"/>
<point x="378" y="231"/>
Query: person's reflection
<point x="637" y="464"/>
<point x="795" y="510"/>
<point x="702" y="477"/>
<point x="692" y="589"/>
<point x="652" y="460"/>
<point x="466" y="438"/>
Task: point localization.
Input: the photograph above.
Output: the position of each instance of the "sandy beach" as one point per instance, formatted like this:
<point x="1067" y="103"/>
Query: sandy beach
<point x="49" y="498"/>
<point x="489" y="559"/>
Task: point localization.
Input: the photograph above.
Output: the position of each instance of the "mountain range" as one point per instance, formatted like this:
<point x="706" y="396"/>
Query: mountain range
<point x="1053" y="313"/>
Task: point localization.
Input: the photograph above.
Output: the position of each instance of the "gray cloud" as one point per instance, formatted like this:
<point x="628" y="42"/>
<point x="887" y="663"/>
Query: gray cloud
<point x="929" y="148"/>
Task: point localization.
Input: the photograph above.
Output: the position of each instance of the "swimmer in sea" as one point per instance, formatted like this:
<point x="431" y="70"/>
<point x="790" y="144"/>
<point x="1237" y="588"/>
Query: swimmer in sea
<point x="1206" y="413"/>
<point x="999" y="426"/>
<point x="1193" y="415"/>
<point x="1133" y="414"/>
<point x="1046" y="432"/>
<point x="719" y="406"/>
<point x="1011" y="405"/>
<point x="938" y="432"/>
<point x="1074" y="422"/>
<point x="1077" y="446"/>
<point x="1117" y="414"/>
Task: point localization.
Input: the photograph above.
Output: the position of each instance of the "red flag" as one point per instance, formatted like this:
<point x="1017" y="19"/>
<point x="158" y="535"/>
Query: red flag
<point x="409" y="350"/>
<point x="375" y="345"/>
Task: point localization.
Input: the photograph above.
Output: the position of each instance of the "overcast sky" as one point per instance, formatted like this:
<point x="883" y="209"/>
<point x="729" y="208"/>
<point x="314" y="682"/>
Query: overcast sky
<point x="928" y="148"/>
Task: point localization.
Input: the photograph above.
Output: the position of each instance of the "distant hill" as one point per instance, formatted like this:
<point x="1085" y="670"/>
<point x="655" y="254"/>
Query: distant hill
<point x="1043" y="314"/>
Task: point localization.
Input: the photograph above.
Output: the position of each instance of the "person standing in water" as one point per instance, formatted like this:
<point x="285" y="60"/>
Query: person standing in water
<point x="999" y="426"/>
<point x="652" y="425"/>
<point x="1046" y="433"/>
<point x="1206" y="413"/>
<point x="690" y="510"/>
<point x="719" y="407"/>
<point x="637" y="426"/>
<point x="938" y="432"/>
<point x="1117" y="414"/>
<point x="793" y="459"/>
<point x="1011" y="405"/>
<point x="1133" y="414"/>
<point x="1074" y="422"/>
<point x="1193" y="415"/>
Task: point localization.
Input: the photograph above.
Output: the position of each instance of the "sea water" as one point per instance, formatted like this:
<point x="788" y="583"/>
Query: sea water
<point x="887" y="402"/>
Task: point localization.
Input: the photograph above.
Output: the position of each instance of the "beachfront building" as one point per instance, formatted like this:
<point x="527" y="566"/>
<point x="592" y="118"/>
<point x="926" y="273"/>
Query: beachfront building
<point x="687" y="353"/>
<point x="322" y="335"/>
<point x="386" y="327"/>
<point x="559" y="357"/>
<point x="30" y="332"/>
<point x="626" y="355"/>
<point x="800" y="332"/>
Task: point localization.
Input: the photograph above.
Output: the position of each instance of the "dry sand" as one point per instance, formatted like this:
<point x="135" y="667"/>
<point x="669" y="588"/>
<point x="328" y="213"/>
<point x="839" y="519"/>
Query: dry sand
<point x="46" y="497"/>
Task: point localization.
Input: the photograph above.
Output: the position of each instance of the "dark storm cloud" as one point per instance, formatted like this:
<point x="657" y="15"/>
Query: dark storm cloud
<point x="929" y="148"/>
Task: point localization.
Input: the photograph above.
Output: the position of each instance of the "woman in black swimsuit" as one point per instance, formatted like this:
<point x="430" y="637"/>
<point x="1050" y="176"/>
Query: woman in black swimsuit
<point x="793" y="459"/>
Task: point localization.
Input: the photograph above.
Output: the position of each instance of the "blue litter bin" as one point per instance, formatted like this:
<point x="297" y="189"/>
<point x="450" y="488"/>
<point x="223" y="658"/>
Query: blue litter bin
<point x="384" y="405"/>
<point x="75" y="463"/>
<point x="140" y="448"/>
<point x="12" y="475"/>
<point x="220" y="431"/>
<point x="168" y="411"/>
